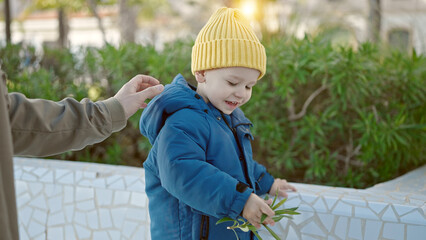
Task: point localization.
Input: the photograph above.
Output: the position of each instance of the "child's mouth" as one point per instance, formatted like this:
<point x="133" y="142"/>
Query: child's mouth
<point x="232" y="104"/>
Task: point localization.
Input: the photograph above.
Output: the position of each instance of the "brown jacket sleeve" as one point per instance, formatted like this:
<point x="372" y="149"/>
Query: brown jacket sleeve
<point x="42" y="127"/>
<point x="8" y="212"/>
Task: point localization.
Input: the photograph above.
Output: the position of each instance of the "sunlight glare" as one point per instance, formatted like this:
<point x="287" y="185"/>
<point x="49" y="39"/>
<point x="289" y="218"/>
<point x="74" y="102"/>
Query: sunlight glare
<point x="248" y="8"/>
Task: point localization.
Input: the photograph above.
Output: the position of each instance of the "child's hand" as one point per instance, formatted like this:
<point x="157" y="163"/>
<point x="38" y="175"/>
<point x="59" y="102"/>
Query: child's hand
<point x="255" y="207"/>
<point x="281" y="185"/>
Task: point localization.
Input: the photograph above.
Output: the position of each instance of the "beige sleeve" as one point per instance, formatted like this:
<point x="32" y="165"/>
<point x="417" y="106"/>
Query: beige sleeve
<point x="42" y="127"/>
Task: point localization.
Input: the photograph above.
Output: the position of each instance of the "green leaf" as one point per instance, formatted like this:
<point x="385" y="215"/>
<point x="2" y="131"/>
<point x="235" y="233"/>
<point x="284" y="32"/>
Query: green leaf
<point x="286" y="216"/>
<point x="292" y="209"/>
<point x="241" y="220"/>
<point x="262" y="219"/>
<point x="254" y="230"/>
<point x="245" y="229"/>
<point x="400" y="139"/>
<point x="286" y="211"/>
<point x="279" y="204"/>
<point x="225" y="219"/>
<point x="271" y="232"/>
<point x="236" y="235"/>
<point x="277" y="218"/>
<point x="275" y="198"/>
<point x="413" y="127"/>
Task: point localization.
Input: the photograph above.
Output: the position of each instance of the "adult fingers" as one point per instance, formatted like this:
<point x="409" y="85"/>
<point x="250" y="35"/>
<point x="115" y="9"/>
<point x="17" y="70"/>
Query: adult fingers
<point x="143" y="86"/>
<point x="150" y="92"/>
<point x="142" y="81"/>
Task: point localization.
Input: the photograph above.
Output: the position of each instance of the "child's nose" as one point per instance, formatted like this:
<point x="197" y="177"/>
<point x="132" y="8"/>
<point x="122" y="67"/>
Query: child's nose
<point x="240" y="92"/>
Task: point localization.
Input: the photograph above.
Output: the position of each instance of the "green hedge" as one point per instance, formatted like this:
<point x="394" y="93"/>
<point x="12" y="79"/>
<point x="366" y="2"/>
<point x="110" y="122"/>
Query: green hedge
<point x="321" y="114"/>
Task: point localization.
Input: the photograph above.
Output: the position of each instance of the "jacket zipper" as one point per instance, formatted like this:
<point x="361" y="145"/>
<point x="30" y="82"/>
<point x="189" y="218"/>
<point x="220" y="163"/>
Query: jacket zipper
<point x="204" y="235"/>
<point x="242" y="157"/>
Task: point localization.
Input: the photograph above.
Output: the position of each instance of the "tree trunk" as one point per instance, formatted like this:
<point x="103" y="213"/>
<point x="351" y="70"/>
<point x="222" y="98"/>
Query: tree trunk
<point x="127" y="21"/>
<point x="93" y="8"/>
<point x="7" y="20"/>
<point x="374" y="20"/>
<point x="228" y="3"/>
<point x="63" y="28"/>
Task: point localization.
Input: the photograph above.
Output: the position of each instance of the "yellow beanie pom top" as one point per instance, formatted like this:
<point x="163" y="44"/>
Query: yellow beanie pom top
<point x="227" y="40"/>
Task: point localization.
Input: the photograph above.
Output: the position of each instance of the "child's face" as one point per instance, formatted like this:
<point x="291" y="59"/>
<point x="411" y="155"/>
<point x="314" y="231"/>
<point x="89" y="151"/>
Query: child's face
<point x="227" y="88"/>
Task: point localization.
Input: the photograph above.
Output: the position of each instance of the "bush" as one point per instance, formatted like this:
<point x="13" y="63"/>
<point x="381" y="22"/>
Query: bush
<point x="339" y="117"/>
<point x="326" y="115"/>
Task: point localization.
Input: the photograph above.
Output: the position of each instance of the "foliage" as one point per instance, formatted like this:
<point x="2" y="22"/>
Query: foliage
<point x="246" y="226"/>
<point x="148" y="7"/>
<point x="340" y="116"/>
<point x="52" y="4"/>
<point x="322" y="114"/>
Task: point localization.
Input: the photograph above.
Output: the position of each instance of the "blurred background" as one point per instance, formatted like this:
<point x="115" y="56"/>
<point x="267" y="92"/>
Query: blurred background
<point x="342" y="103"/>
<point x="401" y="23"/>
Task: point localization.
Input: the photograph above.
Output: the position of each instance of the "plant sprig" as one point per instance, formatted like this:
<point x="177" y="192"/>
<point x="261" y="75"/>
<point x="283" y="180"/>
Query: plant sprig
<point x="246" y="226"/>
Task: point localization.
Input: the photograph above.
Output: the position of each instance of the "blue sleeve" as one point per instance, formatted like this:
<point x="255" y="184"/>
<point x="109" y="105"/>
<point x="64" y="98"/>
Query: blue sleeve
<point x="263" y="179"/>
<point x="186" y="175"/>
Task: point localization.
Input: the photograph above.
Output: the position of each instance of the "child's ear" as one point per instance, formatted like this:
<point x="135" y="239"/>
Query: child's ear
<point x="200" y="76"/>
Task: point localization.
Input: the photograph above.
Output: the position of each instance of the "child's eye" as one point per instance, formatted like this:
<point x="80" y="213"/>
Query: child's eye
<point x="248" y="87"/>
<point x="231" y="83"/>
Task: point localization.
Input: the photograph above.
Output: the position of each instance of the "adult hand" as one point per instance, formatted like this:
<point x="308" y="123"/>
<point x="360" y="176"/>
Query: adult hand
<point x="133" y="94"/>
<point x="281" y="185"/>
<point x="255" y="207"/>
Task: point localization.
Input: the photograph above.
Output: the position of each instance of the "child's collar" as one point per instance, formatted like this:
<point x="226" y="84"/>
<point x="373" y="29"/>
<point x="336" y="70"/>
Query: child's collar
<point x="236" y="118"/>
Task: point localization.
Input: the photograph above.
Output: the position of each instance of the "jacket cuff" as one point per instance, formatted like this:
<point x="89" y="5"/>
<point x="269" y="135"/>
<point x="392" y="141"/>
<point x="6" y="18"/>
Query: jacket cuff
<point x="265" y="183"/>
<point x="239" y="203"/>
<point x="116" y="110"/>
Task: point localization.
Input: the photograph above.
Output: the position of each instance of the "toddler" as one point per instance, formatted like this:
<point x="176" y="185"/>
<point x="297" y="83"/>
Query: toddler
<point x="200" y="167"/>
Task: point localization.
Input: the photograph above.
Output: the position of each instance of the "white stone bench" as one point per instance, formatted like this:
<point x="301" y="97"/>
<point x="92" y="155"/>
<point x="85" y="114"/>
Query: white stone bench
<point x="76" y="200"/>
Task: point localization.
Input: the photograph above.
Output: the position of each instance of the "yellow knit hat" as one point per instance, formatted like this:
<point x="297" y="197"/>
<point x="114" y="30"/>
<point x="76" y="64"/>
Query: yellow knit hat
<point x="227" y="40"/>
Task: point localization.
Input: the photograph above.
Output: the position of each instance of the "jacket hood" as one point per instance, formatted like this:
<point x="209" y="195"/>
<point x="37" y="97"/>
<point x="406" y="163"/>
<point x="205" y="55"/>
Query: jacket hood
<point x="175" y="96"/>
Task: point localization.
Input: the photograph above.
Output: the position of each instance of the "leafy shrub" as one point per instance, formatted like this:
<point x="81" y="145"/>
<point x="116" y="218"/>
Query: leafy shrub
<point x="326" y="115"/>
<point x="340" y="117"/>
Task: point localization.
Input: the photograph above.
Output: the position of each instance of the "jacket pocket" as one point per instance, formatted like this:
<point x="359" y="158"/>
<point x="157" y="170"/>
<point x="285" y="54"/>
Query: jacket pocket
<point x="204" y="227"/>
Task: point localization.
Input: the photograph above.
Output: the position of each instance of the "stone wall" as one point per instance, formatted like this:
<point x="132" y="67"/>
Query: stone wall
<point x="75" y="200"/>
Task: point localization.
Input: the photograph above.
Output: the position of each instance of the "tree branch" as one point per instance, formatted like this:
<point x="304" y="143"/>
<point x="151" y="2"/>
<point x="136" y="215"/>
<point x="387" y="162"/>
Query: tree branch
<point x="356" y="163"/>
<point x="93" y="8"/>
<point x="308" y="101"/>
<point x="376" y="115"/>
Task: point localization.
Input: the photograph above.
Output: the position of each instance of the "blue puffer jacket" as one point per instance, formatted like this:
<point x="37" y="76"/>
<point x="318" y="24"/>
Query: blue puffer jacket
<point x="196" y="173"/>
